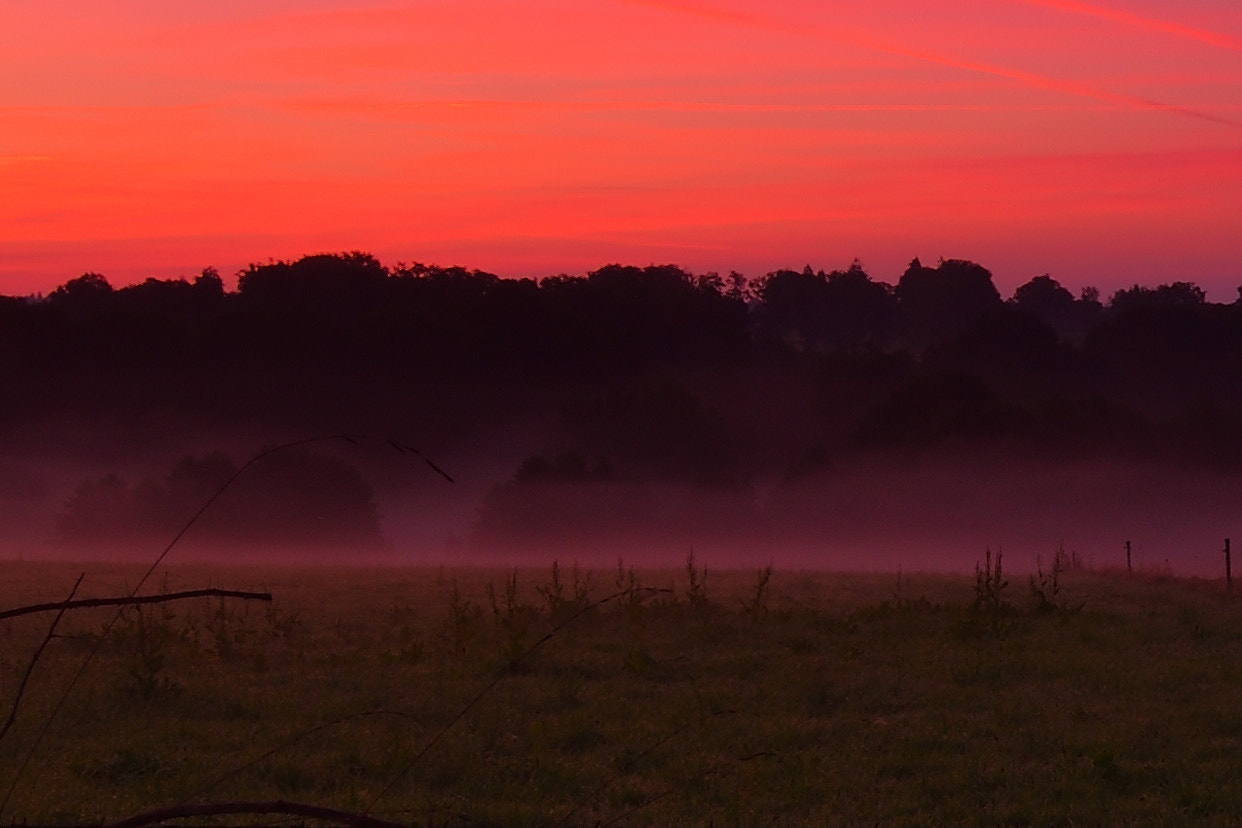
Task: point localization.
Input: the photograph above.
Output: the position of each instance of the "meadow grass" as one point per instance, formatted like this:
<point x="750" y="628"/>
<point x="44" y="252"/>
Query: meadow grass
<point x="724" y="698"/>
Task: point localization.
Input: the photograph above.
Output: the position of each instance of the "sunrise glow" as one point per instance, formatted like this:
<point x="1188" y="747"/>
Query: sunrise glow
<point x="1100" y="142"/>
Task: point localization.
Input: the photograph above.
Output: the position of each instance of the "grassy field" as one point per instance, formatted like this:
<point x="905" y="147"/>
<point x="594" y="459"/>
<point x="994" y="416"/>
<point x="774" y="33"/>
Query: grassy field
<point x="721" y="699"/>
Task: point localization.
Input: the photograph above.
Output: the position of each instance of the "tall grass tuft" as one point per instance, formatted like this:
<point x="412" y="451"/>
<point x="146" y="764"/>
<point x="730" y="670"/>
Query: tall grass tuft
<point x="696" y="584"/>
<point x="757" y="604"/>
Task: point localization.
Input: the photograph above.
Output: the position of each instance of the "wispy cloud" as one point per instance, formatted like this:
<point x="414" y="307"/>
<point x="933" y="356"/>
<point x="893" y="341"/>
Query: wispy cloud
<point x="15" y="160"/>
<point x="1068" y="87"/>
<point x="863" y="38"/>
<point x="1153" y="24"/>
<point x="399" y="110"/>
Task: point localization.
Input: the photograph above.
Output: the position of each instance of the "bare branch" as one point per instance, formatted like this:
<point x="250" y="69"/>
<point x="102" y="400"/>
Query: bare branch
<point x="132" y="599"/>
<point x="277" y="807"/>
<point x="21" y="688"/>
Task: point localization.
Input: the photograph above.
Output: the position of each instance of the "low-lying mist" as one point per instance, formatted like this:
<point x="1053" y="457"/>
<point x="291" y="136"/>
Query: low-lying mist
<point x="804" y="419"/>
<point x="934" y="514"/>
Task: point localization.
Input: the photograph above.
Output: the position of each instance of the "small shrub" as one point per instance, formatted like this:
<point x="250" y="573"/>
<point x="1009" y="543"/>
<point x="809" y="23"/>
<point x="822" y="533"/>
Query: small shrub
<point x="582" y="589"/>
<point x="463" y="621"/>
<point x="638" y="660"/>
<point x="554" y="593"/>
<point x="566" y="600"/>
<point x="1046" y="586"/>
<point x="409" y="647"/>
<point x="631" y="590"/>
<point x="989" y="608"/>
<point x="989" y="584"/>
<point x="226" y="631"/>
<point x="149" y="656"/>
<point x="757" y="604"/>
<point x="284" y="624"/>
<point x="512" y="620"/>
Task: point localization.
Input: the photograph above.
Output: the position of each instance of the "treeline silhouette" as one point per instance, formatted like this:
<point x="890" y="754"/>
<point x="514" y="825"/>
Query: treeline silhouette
<point x="645" y="372"/>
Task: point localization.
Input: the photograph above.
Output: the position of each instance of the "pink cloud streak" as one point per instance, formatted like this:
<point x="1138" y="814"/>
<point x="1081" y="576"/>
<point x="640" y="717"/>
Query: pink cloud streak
<point x="852" y="35"/>
<point x="1211" y="38"/>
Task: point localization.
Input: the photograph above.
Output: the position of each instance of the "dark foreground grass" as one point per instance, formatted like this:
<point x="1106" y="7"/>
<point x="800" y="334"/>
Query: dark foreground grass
<point x="806" y="699"/>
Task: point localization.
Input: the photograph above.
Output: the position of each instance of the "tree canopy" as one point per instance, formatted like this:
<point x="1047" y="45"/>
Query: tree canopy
<point x="652" y="372"/>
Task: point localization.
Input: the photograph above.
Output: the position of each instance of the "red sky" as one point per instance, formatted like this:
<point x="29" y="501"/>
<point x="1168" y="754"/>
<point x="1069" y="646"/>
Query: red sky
<point x="1099" y="142"/>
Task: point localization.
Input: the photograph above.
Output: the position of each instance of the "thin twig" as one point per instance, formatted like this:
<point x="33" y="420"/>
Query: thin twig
<point x="82" y="603"/>
<point x="21" y="688"/>
<point x="277" y="807"/>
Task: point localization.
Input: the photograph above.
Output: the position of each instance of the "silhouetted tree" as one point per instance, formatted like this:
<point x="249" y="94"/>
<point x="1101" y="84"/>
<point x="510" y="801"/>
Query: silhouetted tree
<point x="1163" y="298"/>
<point x="792" y="308"/>
<point x="939" y="408"/>
<point x="860" y="311"/>
<point x="1071" y="318"/>
<point x="338" y="340"/>
<point x="652" y="430"/>
<point x="1012" y="350"/>
<point x="327" y="286"/>
<point x="819" y="312"/>
<point x="208" y="285"/>
<point x="1160" y="347"/>
<point x="87" y="288"/>
<point x="627" y="318"/>
<point x="1044" y="297"/>
<point x="935" y="304"/>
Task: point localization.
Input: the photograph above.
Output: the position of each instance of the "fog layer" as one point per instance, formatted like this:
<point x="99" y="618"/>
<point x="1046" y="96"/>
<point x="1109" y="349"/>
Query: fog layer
<point x="335" y="409"/>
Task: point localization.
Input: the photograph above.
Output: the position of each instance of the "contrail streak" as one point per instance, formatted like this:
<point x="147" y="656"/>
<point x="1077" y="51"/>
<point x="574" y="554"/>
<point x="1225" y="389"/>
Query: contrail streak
<point x="1154" y="24"/>
<point x="851" y="35"/>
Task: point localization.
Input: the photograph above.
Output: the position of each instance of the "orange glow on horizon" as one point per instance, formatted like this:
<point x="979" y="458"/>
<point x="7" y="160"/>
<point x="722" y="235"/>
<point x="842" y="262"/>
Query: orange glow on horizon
<point x="1099" y="142"/>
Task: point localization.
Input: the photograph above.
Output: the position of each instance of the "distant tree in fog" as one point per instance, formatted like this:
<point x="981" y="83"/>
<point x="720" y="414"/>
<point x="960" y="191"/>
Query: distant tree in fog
<point x="191" y="483"/>
<point x="293" y="498"/>
<point x="655" y="429"/>
<point x="99" y="510"/>
<point x="300" y="497"/>
<point x="938" y="408"/>
<point x="568" y="467"/>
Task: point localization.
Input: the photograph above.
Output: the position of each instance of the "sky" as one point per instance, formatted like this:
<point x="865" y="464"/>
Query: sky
<point x="1098" y="142"/>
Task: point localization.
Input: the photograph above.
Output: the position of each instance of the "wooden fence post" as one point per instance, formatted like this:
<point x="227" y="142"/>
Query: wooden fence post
<point x="1228" y="568"/>
<point x="1129" y="566"/>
